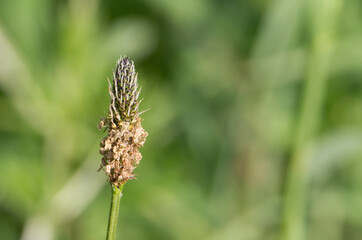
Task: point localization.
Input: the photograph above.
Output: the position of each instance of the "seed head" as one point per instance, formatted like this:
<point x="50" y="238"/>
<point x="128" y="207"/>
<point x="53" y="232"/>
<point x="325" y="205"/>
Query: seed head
<point x="125" y="133"/>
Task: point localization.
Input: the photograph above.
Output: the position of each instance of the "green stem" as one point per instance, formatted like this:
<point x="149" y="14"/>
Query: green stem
<point x="113" y="213"/>
<point x="296" y="193"/>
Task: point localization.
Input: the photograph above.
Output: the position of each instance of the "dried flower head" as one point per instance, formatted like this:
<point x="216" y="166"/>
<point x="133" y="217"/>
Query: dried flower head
<point x="125" y="133"/>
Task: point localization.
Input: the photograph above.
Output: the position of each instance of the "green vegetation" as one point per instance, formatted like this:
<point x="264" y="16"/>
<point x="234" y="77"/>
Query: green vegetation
<point x="255" y="130"/>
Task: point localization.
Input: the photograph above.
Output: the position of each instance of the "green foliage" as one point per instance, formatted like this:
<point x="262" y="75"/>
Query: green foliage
<point x="238" y="91"/>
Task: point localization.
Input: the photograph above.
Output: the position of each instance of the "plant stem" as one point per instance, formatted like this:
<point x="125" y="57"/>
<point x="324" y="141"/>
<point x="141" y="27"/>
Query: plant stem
<point x="113" y="213"/>
<point x="296" y="193"/>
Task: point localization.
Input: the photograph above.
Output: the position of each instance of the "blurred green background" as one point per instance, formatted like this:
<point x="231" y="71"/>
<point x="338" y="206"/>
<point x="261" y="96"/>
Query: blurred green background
<point x="255" y="127"/>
